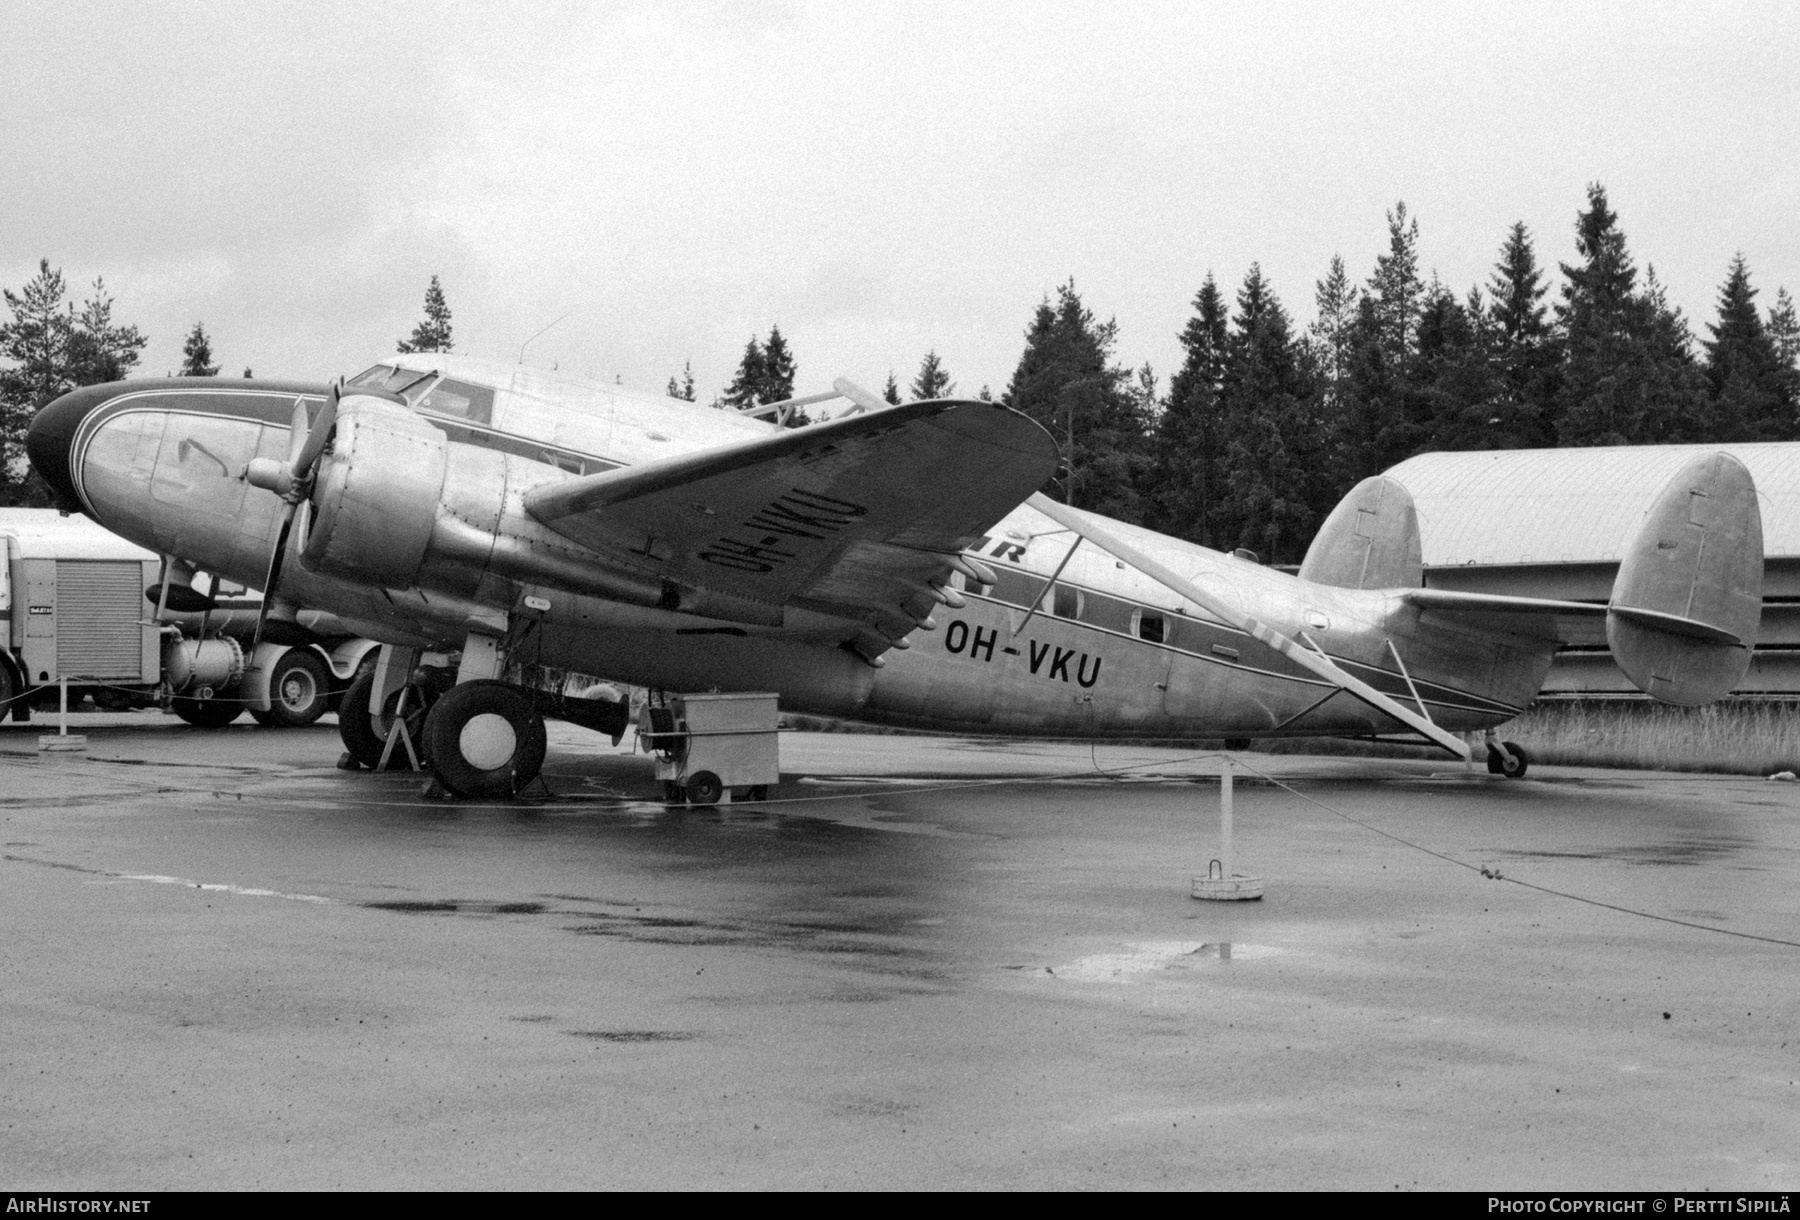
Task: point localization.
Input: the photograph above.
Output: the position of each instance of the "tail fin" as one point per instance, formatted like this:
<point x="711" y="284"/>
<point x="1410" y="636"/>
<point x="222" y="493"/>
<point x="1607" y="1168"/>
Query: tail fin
<point x="1688" y="598"/>
<point x="1370" y="540"/>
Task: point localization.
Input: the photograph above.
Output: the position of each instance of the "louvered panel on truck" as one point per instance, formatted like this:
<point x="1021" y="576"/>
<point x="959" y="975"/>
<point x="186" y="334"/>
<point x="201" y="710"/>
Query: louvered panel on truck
<point x="99" y="608"/>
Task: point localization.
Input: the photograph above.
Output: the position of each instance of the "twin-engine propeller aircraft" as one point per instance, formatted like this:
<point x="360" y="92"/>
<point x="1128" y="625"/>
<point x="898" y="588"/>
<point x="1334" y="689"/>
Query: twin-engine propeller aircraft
<point x="894" y="564"/>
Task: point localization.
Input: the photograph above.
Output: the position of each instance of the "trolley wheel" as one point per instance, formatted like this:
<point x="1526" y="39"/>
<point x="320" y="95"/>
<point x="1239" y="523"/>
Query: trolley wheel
<point x="704" y="788"/>
<point x="365" y="736"/>
<point x="1512" y="764"/>
<point x="672" y="793"/>
<point x="758" y="792"/>
<point x="299" y="690"/>
<point x="484" y="739"/>
<point x="1237" y="743"/>
<point x="206" y="713"/>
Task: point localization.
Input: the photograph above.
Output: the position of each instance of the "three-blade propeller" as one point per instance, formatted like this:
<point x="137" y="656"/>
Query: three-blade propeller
<point x="292" y="480"/>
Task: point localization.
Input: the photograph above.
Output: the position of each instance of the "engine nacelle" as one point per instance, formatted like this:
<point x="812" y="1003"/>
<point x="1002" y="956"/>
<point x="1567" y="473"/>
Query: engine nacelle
<point x="376" y="495"/>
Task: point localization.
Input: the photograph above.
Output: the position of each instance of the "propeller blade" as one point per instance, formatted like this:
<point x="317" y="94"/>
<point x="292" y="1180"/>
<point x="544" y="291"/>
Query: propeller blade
<point x="297" y="432"/>
<point x="273" y="581"/>
<point x="316" y="438"/>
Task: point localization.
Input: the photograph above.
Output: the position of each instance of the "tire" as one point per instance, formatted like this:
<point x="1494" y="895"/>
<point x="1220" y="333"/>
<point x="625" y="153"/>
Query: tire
<point x="485" y="739"/>
<point x="672" y="793"/>
<point x="704" y="788"/>
<point x="299" y="689"/>
<point x="1513" y="767"/>
<point x="366" y="737"/>
<point x="206" y="713"/>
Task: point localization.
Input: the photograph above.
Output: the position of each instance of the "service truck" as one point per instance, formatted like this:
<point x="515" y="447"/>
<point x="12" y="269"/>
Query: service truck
<point x="82" y="604"/>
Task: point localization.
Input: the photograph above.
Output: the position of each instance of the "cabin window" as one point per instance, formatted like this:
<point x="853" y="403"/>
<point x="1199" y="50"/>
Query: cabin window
<point x="1017" y="588"/>
<point x="1066" y="603"/>
<point x="1150" y="626"/>
<point x="1107" y="612"/>
<point x="474" y="403"/>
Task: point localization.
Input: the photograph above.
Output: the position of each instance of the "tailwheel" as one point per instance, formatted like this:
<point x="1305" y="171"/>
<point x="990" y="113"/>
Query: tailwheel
<point x="484" y="739"/>
<point x="365" y="735"/>
<point x="1511" y="764"/>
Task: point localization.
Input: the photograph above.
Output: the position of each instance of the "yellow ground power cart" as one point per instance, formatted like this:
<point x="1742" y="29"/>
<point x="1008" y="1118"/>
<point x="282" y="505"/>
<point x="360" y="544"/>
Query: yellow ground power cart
<point x="707" y="745"/>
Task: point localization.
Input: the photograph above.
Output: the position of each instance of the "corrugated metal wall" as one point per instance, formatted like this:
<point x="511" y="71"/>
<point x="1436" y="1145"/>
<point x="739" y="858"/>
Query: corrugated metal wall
<point x="99" y="605"/>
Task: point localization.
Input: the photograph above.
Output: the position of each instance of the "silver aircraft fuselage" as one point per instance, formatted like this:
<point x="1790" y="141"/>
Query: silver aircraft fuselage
<point x="1107" y="652"/>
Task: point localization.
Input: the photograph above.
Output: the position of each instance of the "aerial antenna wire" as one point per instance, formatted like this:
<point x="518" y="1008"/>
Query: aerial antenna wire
<point x="535" y="337"/>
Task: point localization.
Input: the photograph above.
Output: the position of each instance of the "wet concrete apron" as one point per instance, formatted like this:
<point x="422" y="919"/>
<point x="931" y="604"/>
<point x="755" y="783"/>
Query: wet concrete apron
<point x="227" y="964"/>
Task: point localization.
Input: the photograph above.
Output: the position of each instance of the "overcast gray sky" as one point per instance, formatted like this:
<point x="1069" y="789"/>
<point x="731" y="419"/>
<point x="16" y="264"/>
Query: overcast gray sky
<point x="878" y="179"/>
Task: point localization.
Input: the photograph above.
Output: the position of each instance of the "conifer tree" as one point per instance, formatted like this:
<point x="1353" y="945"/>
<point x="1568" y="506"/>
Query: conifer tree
<point x="683" y="389"/>
<point x="778" y="369"/>
<point x="1524" y="351"/>
<point x="1186" y="479"/>
<point x="1066" y="382"/>
<point x="1332" y="333"/>
<point x="890" y="393"/>
<point x="747" y="383"/>
<point x="1750" y="388"/>
<point x="1396" y="286"/>
<point x="432" y="334"/>
<point x="1272" y="439"/>
<point x="933" y="380"/>
<point x="1457" y="393"/>
<point x="196" y="354"/>
<point x="1629" y="376"/>
<point x="1784" y="333"/>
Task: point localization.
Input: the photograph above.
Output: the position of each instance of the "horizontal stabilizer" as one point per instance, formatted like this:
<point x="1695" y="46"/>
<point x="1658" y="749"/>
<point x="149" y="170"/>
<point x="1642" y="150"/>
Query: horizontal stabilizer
<point x="1688" y="598"/>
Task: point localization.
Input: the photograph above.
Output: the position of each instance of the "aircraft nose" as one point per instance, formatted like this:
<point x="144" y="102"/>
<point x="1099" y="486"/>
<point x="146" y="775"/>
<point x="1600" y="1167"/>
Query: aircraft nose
<point x="51" y="434"/>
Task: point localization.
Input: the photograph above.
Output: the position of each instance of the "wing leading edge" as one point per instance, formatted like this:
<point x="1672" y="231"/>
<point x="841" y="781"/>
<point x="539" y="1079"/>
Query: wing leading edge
<point x="860" y="517"/>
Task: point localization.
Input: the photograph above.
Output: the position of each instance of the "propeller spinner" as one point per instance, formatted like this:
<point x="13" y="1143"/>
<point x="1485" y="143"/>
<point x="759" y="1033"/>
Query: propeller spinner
<point x="292" y="480"/>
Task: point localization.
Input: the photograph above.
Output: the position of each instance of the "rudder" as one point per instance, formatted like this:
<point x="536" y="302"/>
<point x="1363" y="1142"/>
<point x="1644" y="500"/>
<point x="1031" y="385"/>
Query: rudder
<point x="1688" y="598"/>
<point x="1370" y="540"/>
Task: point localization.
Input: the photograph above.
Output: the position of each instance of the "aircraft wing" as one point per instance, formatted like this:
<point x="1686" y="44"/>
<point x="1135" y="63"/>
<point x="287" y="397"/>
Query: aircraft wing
<point x="856" y="516"/>
<point x="1566" y="622"/>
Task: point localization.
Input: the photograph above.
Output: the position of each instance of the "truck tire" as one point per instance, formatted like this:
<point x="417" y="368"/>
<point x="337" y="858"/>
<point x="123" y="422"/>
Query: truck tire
<point x="299" y="689"/>
<point x="206" y="713"/>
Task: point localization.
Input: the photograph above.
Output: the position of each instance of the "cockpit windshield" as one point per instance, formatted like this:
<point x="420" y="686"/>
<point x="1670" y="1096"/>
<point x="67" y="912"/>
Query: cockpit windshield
<point x="408" y="383"/>
<point x="429" y="392"/>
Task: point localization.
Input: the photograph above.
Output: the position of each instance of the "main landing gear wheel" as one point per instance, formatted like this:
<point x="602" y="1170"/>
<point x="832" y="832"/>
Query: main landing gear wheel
<point x="1512" y="764"/>
<point x="365" y="736"/>
<point x="299" y="689"/>
<point x="206" y="713"/>
<point x="484" y="739"/>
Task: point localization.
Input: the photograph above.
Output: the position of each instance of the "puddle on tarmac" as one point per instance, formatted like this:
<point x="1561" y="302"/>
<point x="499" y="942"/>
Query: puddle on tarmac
<point x="632" y="1035"/>
<point x="1145" y="958"/>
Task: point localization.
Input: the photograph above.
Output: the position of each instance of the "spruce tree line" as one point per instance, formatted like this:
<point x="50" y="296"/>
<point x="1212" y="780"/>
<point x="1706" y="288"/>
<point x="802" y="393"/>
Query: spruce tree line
<point x="1264" y="429"/>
